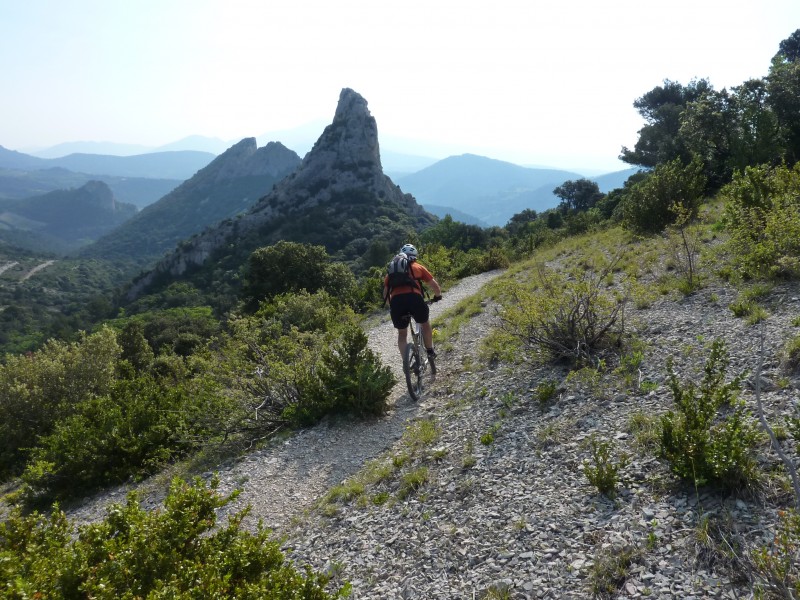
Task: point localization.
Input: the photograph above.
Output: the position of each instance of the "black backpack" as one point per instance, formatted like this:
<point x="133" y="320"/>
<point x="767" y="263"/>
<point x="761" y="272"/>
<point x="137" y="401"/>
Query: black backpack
<point x="398" y="273"/>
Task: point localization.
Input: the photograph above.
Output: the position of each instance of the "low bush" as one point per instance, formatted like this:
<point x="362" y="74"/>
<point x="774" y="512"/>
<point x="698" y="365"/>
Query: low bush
<point x="288" y="371"/>
<point x="647" y="207"/>
<point x="177" y="552"/>
<point x="763" y="218"/>
<point x="42" y="388"/>
<point x="603" y="470"/>
<point x="133" y="431"/>
<point x="701" y="443"/>
<point x="353" y="378"/>
<point x="565" y="318"/>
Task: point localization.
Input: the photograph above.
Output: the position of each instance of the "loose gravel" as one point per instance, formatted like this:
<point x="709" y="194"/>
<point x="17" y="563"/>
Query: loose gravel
<point x="501" y="507"/>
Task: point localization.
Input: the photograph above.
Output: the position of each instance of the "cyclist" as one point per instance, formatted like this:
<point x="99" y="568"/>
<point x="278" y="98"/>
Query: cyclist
<point x="408" y="299"/>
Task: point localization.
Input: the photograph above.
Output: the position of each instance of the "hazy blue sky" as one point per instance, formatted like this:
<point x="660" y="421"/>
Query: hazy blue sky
<point x="534" y="82"/>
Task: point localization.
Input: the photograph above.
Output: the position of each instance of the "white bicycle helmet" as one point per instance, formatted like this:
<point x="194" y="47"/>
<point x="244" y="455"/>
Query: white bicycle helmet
<point x="410" y="251"/>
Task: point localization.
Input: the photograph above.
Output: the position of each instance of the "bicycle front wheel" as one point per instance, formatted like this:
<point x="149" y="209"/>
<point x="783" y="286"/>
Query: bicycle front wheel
<point x="413" y="369"/>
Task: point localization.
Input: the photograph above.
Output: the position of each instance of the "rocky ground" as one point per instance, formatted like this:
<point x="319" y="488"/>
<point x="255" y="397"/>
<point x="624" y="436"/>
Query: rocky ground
<point x="478" y="491"/>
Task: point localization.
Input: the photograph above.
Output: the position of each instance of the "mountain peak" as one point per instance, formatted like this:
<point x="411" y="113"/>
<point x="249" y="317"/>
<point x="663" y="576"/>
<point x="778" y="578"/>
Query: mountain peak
<point x="97" y="195"/>
<point x="245" y="159"/>
<point x="352" y="136"/>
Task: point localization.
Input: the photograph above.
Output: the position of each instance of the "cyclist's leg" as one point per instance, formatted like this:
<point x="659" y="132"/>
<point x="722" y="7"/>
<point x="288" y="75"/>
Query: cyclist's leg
<point x="427" y="334"/>
<point x="427" y="338"/>
<point x="402" y="340"/>
<point x="398" y="307"/>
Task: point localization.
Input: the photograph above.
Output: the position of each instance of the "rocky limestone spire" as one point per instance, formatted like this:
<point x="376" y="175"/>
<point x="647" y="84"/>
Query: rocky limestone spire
<point x="352" y="136"/>
<point x="345" y="157"/>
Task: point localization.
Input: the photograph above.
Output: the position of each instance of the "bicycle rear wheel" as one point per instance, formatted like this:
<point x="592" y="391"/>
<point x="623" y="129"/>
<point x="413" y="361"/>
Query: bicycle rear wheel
<point x="414" y="370"/>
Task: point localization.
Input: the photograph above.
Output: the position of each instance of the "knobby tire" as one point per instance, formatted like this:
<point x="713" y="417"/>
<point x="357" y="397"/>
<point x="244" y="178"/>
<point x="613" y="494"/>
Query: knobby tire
<point x="411" y="363"/>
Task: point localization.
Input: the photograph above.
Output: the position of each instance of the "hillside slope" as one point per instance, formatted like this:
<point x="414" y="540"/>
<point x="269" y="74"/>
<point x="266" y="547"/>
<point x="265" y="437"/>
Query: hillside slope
<point x="63" y="219"/>
<point x="228" y="186"/>
<point x="481" y="486"/>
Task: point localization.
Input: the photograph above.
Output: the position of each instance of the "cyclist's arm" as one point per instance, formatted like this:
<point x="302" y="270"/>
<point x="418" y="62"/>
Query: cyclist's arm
<point x="437" y="290"/>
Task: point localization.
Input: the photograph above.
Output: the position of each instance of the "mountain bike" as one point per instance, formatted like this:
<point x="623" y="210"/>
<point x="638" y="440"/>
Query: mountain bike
<point x="416" y="362"/>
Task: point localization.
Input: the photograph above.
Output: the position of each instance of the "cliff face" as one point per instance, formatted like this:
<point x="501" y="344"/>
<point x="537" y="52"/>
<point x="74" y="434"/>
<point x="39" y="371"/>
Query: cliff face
<point x="342" y="173"/>
<point x="346" y="157"/>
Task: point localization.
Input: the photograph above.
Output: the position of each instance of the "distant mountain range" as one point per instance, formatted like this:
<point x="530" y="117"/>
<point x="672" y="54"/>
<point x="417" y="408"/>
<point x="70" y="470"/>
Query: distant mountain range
<point x="193" y="142"/>
<point x="158" y="165"/>
<point x="491" y="191"/>
<point x="472" y="189"/>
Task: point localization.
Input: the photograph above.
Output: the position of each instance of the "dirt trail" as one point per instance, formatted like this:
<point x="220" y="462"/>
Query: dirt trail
<point x="281" y="481"/>
<point x="36" y="269"/>
<point x="8" y="266"/>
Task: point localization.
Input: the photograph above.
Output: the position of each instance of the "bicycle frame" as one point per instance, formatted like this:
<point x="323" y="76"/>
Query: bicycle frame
<point x="415" y="361"/>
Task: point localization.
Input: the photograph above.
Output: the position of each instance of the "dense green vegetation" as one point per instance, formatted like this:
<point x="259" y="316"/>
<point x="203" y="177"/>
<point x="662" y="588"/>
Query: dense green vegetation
<point x="266" y="336"/>
<point x="177" y="552"/>
<point x="131" y="397"/>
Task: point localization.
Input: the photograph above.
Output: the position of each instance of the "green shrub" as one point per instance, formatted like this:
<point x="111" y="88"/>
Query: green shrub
<point x="602" y="470"/>
<point x="291" y="267"/>
<point x="574" y="318"/>
<point x="647" y="207"/>
<point x="305" y="311"/>
<point x="132" y="432"/>
<point x="763" y="218"/>
<point x="177" y="552"/>
<point x="166" y="329"/>
<point x="282" y="375"/>
<point x="701" y="444"/>
<point x="546" y="391"/>
<point x="353" y="378"/>
<point x="43" y="388"/>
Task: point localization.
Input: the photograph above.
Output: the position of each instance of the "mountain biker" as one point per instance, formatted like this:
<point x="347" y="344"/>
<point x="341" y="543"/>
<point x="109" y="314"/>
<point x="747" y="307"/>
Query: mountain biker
<point x="408" y="299"/>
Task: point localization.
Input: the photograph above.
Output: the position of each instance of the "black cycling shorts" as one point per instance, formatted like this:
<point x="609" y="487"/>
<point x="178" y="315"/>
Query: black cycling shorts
<point x="402" y="305"/>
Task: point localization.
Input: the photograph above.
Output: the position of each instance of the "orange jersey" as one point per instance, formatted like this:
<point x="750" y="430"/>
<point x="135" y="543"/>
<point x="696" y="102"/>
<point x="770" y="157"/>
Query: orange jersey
<point x="418" y="272"/>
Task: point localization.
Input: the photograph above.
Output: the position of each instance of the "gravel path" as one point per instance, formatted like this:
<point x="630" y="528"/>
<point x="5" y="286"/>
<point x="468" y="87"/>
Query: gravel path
<point x="506" y="510"/>
<point x="283" y="480"/>
<point x="280" y="483"/>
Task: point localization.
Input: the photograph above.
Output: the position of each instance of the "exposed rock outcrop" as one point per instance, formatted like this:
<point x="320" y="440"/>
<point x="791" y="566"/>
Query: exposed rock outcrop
<point x="342" y="169"/>
<point x="245" y="159"/>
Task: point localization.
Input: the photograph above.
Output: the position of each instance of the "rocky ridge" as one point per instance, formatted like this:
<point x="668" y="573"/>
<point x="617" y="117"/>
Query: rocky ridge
<point x="342" y="168"/>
